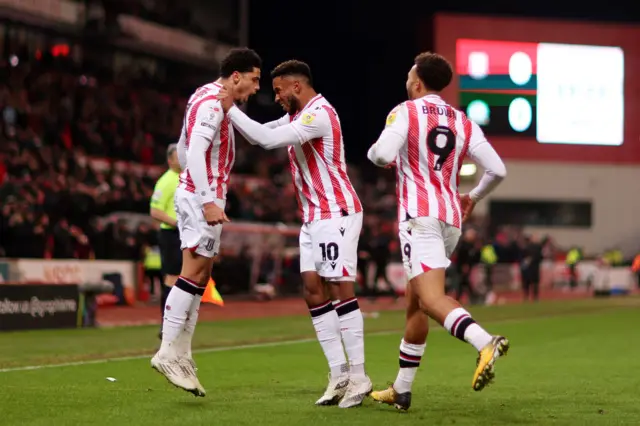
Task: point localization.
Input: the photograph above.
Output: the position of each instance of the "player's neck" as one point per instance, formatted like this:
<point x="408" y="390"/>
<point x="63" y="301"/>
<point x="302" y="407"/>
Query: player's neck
<point x="306" y="96"/>
<point x="423" y="93"/>
<point x="221" y="81"/>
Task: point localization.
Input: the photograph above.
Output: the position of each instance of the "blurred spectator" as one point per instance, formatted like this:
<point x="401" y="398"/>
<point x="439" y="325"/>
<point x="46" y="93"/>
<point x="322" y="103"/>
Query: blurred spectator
<point x="574" y="255"/>
<point x="489" y="258"/>
<point x="530" y="267"/>
<point x="468" y="256"/>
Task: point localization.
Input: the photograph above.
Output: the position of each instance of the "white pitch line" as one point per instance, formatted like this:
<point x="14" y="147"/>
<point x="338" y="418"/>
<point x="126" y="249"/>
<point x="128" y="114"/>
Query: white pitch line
<point x="206" y="350"/>
<point x="265" y="345"/>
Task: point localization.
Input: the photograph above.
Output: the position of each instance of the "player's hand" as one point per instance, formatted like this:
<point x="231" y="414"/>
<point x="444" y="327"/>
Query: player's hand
<point x="214" y="215"/>
<point x="467" y="205"/>
<point x="225" y="96"/>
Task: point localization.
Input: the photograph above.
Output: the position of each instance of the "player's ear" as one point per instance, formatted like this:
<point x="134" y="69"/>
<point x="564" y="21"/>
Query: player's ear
<point x="235" y="77"/>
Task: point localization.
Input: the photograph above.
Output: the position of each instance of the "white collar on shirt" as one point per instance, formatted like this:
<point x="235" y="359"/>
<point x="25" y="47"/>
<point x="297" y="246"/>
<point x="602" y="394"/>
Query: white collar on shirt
<point x="433" y="98"/>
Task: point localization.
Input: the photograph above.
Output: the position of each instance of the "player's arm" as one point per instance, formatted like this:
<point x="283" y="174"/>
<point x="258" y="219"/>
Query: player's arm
<point x="208" y="118"/>
<point x="182" y="149"/>
<point x="483" y="154"/>
<point x="392" y="139"/>
<point x="310" y="126"/>
<point x="279" y="122"/>
<point x="272" y="125"/>
<point x="159" y="200"/>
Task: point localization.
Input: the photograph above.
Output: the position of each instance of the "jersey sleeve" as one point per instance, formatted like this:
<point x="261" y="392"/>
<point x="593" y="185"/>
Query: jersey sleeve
<point x="207" y="119"/>
<point x="306" y="128"/>
<point x="312" y="125"/>
<point x="182" y="149"/>
<point x="482" y="153"/>
<point x="279" y="122"/>
<point x="392" y="138"/>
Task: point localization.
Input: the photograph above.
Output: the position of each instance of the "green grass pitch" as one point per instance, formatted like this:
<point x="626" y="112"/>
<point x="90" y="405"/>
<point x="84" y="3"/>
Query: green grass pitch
<point x="571" y="363"/>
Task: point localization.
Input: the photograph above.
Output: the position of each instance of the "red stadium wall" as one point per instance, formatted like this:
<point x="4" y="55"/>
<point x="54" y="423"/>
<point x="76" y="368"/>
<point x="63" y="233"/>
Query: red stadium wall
<point x="449" y="28"/>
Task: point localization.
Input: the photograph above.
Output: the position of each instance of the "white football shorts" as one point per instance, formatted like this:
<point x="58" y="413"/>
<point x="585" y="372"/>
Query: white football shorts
<point x="195" y="233"/>
<point x="330" y="247"/>
<point x="426" y="243"/>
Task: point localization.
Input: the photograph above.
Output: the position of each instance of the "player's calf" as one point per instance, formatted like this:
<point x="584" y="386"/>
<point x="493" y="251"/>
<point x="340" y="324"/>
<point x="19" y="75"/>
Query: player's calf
<point x="399" y="394"/>
<point x="459" y="323"/>
<point x="173" y="360"/>
<point x="327" y="326"/>
<point x="352" y="331"/>
<point x="412" y="348"/>
<point x="179" y="304"/>
<point x="462" y="326"/>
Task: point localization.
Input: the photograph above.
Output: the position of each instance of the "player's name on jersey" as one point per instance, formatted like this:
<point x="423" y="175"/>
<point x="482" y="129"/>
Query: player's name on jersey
<point x="440" y="110"/>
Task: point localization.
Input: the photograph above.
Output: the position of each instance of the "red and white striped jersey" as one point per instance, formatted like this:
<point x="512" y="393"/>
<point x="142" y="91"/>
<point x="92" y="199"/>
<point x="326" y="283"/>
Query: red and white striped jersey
<point x="318" y="165"/>
<point x="206" y="149"/>
<point x="437" y="138"/>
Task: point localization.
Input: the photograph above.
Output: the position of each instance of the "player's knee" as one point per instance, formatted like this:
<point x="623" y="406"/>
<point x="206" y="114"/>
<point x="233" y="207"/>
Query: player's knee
<point x="345" y="289"/>
<point x="197" y="270"/>
<point x="334" y="291"/>
<point x="312" y="284"/>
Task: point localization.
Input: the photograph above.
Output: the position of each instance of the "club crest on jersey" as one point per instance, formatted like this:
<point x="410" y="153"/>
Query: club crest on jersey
<point x="307" y="118"/>
<point x="391" y="118"/>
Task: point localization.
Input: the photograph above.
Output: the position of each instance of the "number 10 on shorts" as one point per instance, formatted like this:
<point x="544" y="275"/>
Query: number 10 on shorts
<point x="330" y="251"/>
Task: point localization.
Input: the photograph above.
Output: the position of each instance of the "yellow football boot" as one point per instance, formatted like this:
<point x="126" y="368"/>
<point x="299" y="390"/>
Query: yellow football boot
<point x="402" y="401"/>
<point x="487" y="357"/>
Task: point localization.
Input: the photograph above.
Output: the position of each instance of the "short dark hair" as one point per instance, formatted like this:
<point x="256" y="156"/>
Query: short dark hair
<point x="434" y="70"/>
<point x="293" y="67"/>
<point x="241" y="59"/>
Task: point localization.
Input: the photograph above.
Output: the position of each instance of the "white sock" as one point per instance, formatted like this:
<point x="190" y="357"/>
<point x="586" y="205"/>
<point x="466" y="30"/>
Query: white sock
<point x="190" y="326"/>
<point x="460" y="324"/>
<point x="410" y="357"/>
<point x="176" y="311"/>
<point x="325" y="321"/>
<point x="352" y="332"/>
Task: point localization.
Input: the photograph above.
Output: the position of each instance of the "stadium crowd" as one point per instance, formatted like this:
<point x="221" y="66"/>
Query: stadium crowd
<point x="56" y="120"/>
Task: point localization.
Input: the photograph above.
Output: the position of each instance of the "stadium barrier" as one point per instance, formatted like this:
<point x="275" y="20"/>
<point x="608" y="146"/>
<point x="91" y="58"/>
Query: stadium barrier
<point x="122" y="274"/>
<point x="505" y="277"/>
<point x="262" y="260"/>
<point x="39" y="306"/>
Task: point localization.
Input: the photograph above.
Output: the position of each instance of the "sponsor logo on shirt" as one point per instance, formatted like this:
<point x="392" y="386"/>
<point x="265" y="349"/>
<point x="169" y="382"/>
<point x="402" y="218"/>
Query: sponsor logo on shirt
<point x="209" y="125"/>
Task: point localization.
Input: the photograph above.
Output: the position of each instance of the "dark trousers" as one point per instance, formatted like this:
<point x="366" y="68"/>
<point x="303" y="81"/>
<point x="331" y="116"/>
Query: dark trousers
<point x="488" y="280"/>
<point x="464" y="286"/>
<point x="152" y="275"/>
<point x="531" y="282"/>
<point x="573" y="276"/>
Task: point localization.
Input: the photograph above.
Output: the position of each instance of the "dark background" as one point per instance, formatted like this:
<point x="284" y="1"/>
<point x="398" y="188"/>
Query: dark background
<point x="360" y="51"/>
